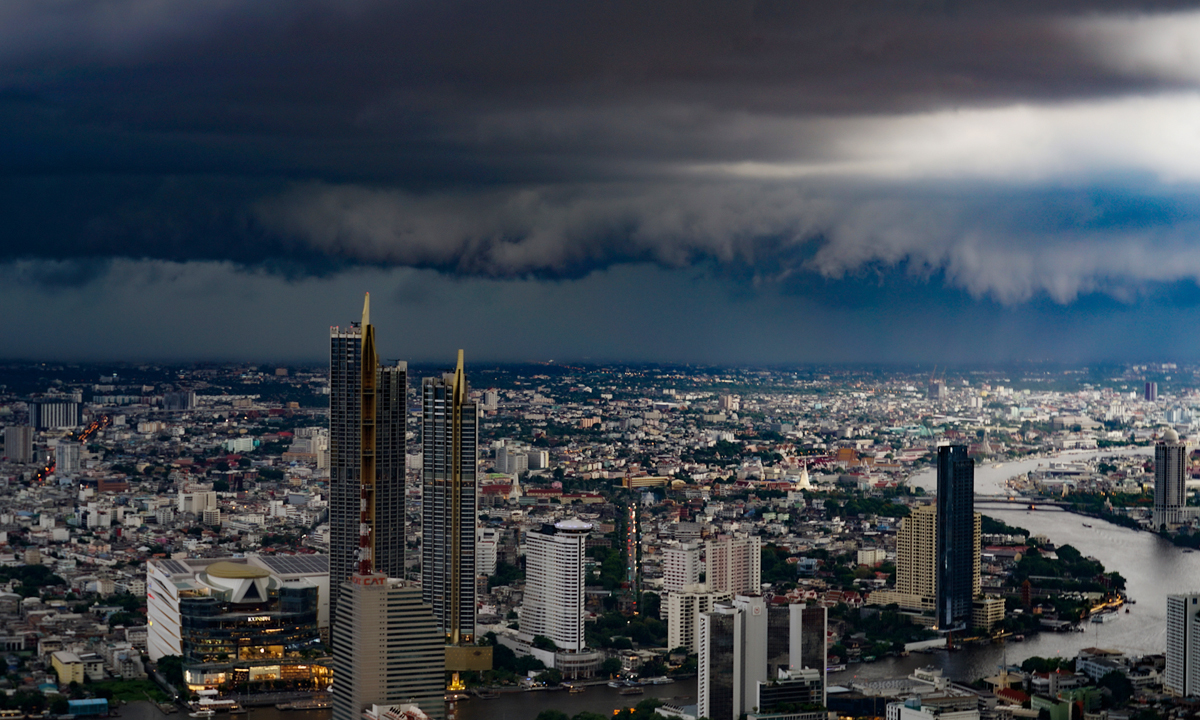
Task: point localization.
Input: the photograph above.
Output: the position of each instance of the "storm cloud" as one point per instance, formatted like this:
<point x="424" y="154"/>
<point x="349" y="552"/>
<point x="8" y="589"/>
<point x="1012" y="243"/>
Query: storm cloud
<point x="1010" y="152"/>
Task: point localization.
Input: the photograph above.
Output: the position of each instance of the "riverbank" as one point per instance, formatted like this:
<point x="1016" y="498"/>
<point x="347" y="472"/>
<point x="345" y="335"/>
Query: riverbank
<point x="1153" y="568"/>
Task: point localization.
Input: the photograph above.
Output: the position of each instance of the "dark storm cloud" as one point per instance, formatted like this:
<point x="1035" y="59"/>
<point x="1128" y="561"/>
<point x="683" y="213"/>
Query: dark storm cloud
<point x="547" y="139"/>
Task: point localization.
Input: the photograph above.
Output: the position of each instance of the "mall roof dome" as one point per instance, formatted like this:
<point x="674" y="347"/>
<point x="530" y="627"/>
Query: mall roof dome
<point x="235" y="571"/>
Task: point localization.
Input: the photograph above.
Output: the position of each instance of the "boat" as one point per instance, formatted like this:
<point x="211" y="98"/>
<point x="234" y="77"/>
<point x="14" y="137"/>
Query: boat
<point x="576" y="689"/>
<point x="1018" y="638"/>
<point x="1086" y="525"/>
<point x="660" y="680"/>
<point x="1098" y="618"/>
<point x="1126" y="611"/>
<point x="455" y="697"/>
<point x="835" y="668"/>
<point x="310" y="704"/>
<point x="202" y="714"/>
<point x="616" y="683"/>
<point x="632" y="690"/>
<point x="484" y="695"/>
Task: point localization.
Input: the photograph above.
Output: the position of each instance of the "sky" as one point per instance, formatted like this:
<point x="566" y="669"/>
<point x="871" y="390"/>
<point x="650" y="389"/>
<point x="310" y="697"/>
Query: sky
<point x="782" y="181"/>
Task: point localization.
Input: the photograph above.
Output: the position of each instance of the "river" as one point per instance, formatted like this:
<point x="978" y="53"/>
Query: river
<point x="1153" y="568"/>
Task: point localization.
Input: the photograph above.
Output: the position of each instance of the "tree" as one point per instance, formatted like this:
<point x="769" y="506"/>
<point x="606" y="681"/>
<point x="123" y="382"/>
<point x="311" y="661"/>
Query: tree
<point x="1119" y="685"/>
<point x="553" y="715"/>
<point x="171" y="667"/>
<point x="541" y="642"/>
<point x="553" y="676"/>
<point x="610" y="667"/>
<point x="60" y="706"/>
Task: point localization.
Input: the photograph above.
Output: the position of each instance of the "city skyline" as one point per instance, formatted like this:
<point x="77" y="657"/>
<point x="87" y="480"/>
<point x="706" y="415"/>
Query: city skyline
<point x="703" y="182"/>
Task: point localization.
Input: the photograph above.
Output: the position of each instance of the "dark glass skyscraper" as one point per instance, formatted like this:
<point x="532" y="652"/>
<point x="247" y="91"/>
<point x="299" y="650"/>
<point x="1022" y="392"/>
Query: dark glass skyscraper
<point x="957" y="551"/>
<point x="366" y="439"/>
<point x="449" y="502"/>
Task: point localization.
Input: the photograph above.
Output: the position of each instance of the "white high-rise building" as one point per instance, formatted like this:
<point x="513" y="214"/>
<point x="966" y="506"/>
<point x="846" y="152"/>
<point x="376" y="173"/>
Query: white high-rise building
<point x="512" y="459"/>
<point x="734" y="565"/>
<point x="681" y="567"/>
<point x="1182" y="675"/>
<point x="1170" y="481"/>
<point x="197" y="502"/>
<point x="684" y="608"/>
<point x="487" y="542"/>
<point x="554" y="584"/>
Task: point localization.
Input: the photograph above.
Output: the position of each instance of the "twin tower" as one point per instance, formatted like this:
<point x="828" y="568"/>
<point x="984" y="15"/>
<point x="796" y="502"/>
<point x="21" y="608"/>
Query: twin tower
<point x="367" y="423"/>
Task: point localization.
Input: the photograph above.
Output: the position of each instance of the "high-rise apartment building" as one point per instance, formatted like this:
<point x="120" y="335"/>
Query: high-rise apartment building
<point x="366" y="443"/>
<point x="554" y="584"/>
<point x="734" y="565"/>
<point x="1170" y="480"/>
<point x="449" y="502"/>
<point x="487" y="548"/>
<point x="917" y="559"/>
<point x="1151" y="393"/>
<point x="388" y="649"/>
<point x="957" y="538"/>
<point x="684" y="608"/>
<point x="681" y="567"/>
<point x="18" y="443"/>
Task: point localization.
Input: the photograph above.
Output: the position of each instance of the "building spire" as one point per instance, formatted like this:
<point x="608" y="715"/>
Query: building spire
<point x="367" y="318"/>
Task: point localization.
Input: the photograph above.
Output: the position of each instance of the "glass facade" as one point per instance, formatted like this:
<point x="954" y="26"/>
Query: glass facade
<point x="276" y="638"/>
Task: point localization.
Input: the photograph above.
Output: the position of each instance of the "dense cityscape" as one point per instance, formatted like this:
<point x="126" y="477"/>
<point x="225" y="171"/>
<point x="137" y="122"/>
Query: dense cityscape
<point x="739" y="542"/>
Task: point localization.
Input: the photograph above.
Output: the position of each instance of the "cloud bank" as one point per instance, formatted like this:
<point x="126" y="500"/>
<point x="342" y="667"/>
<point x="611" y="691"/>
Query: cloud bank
<point x="1010" y="151"/>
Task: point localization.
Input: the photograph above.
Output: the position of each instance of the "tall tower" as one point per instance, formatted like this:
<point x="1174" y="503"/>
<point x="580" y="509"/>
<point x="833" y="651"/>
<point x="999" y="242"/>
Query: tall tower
<point x="366" y="458"/>
<point x="957" y="537"/>
<point x="449" y="502"/>
<point x="553" y="602"/>
<point x="1170" y="480"/>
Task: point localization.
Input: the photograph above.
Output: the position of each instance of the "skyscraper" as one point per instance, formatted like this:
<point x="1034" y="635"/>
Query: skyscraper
<point x="389" y="649"/>
<point x="1170" y="480"/>
<point x="957" y="538"/>
<point x="449" y="502"/>
<point x="553" y="601"/>
<point x="1151" y="393"/>
<point x="366" y="442"/>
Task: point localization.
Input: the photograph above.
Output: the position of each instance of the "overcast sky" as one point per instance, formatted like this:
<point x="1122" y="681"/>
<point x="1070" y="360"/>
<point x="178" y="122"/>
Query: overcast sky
<point x="677" y="180"/>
